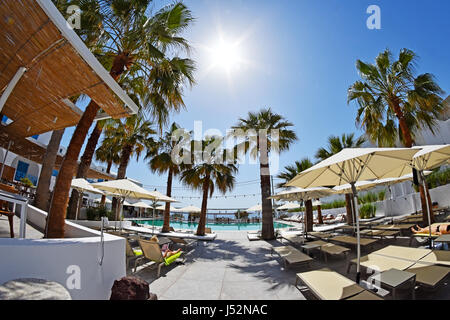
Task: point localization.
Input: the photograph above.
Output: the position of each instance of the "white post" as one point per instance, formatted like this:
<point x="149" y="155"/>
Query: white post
<point x="23" y="219"/>
<point x="11" y="85"/>
<point x="358" y="246"/>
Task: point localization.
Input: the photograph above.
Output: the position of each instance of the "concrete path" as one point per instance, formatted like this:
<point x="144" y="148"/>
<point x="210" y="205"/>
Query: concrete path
<point x="231" y="267"/>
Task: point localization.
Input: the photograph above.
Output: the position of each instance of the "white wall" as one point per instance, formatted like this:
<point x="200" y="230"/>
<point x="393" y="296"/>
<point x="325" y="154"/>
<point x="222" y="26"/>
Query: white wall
<point x="50" y="258"/>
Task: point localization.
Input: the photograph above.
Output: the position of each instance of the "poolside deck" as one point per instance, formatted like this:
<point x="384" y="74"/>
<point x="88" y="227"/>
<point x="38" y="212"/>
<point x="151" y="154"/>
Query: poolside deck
<point x="232" y="267"/>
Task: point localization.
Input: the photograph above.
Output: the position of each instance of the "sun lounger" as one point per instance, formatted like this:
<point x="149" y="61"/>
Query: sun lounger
<point x="321" y="235"/>
<point x="253" y="236"/>
<point x="294" y="239"/>
<point x="291" y="255"/>
<point x="378" y="263"/>
<point x="382" y="234"/>
<point x="406" y="253"/>
<point x="397" y="227"/>
<point x="183" y="242"/>
<point x="439" y="257"/>
<point x="152" y="252"/>
<point x="364" y="242"/>
<point x="326" y="284"/>
<point x="429" y="275"/>
<point x="431" y="267"/>
<point x="333" y="250"/>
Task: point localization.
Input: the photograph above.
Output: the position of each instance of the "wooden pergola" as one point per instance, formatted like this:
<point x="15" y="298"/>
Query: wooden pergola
<point x="43" y="63"/>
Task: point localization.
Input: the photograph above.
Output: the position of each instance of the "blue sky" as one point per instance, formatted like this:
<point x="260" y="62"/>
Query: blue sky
<point x="297" y="57"/>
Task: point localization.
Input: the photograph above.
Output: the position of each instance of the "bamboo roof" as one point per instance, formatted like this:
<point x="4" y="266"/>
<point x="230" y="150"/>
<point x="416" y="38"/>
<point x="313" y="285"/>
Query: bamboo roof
<point x="34" y="36"/>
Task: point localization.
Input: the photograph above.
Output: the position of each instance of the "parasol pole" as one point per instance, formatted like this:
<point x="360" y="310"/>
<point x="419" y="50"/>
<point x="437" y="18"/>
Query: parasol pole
<point x="358" y="247"/>
<point x="425" y="189"/>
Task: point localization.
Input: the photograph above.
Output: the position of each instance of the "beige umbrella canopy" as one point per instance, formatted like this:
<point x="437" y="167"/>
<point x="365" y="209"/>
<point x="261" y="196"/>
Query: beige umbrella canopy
<point x="125" y="189"/>
<point x="82" y="186"/>
<point x="163" y="207"/>
<point x="353" y="165"/>
<point x="141" y="204"/>
<point x="288" y="206"/>
<point x="106" y="200"/>
<point x="430" y="157"/>
<point x="256" y="207"/>
<point x="190" y="209"/>
<point x="302" y="194"/>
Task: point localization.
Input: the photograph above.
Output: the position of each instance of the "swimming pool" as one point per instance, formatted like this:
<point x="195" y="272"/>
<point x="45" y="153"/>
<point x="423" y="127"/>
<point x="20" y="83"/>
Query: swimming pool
<point x="213" y="226"/>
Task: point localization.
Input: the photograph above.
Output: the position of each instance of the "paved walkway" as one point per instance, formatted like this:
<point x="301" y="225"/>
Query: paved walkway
<point x="230" y="267"/>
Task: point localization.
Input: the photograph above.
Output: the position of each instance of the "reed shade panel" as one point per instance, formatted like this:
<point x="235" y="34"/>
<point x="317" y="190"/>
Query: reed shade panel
<point x="55" y="71"/>
<point x="35" y="152"/>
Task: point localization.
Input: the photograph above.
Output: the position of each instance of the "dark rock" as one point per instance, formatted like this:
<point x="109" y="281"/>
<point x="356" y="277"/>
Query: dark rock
<point x="131" y="288"/>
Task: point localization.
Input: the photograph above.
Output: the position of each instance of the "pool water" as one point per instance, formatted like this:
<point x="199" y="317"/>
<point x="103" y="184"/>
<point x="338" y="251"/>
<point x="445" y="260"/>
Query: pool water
<point x="213" y="226"/>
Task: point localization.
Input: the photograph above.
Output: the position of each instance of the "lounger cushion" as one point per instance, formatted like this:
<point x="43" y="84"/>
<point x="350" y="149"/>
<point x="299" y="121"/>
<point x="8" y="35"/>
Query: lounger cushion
<point x="438" y="257"/>
<point x="406" y="253"/>
<point x="172" y="258"/>
<point x="380" y="263"/>
<point x="429" y="274"/>
<point x="329" y="285"/>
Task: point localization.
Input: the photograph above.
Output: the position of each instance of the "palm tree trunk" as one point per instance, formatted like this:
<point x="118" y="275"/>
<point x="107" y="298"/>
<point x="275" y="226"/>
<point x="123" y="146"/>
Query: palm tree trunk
<point x="309" y="215"/>
<point x="57" y="214"/>
<point x="122" y="170"/>
<point x="267" y="231"/>
<point x="166" y="225"/>
<point x="42" y="200"/>
<point x="202" y="223"/>
<point x="83" y="167"/>
<point x="406" y="134"/>
<point x="408" y="142"/>
<point x="348" y="207"/>
<point x="108" y="170"/>
<point x="60" y="199"/>
<point x="319" y="213"/>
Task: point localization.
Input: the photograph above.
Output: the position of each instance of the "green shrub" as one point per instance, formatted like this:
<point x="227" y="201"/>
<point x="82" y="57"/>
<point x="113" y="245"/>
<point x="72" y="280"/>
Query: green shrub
<point x="95" y="213"/>
<point x="27" y="182"/>
<point x="381" y="195"/>
<point x="367" y="211"/>
<point x="368" y="197"/>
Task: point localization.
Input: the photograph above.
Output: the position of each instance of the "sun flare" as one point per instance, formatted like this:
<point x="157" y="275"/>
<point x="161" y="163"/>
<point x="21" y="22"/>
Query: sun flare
<point x="226" y="55"/>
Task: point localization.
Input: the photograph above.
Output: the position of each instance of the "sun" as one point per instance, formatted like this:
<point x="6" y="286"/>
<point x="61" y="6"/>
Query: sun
<point x="226" y="55"/>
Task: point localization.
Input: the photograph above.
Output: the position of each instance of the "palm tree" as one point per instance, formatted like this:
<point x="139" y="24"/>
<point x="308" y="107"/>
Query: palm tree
<point x="289" y="173"/>
<point x="129" y="40"/>
<point x="133" y="136"/>
<point x="264" y="131"/>
<point x="42" y="197"/>
<point x="394" y="104"/>
<point x="208" y="172"/>
<point x="160" y="156"/>
<point x="109" y="153"/>
<point x="160" y="88"/>
<point x="335" y="145"/>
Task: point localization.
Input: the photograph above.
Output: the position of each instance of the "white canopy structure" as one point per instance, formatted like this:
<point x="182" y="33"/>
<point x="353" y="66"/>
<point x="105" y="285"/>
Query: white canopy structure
<point x="163" y="207"/>
<point x="190" y="209"/>
<point x="353" y="165"/>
